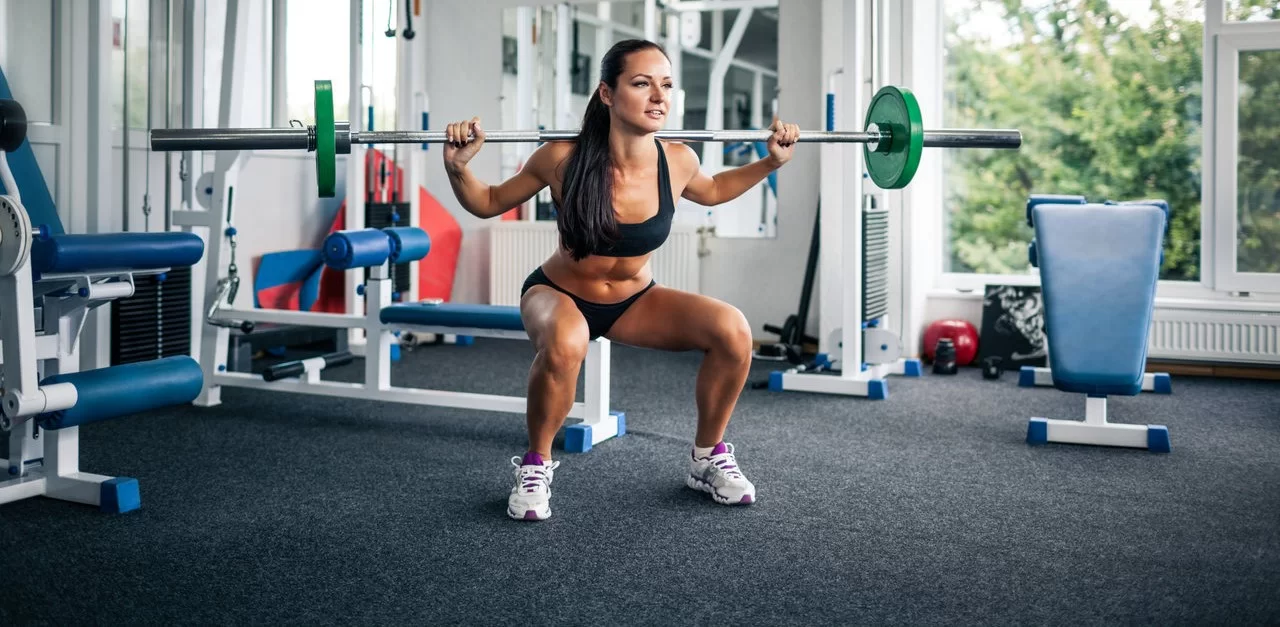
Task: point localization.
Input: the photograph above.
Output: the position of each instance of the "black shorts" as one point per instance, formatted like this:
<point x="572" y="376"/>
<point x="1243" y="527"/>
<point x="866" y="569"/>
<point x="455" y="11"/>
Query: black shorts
<point x="600" y="316"/>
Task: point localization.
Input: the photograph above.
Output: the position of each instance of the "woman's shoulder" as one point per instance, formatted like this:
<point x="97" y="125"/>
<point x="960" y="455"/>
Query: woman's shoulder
<point x="551" y="157"/>
<point x="680" y="155"/>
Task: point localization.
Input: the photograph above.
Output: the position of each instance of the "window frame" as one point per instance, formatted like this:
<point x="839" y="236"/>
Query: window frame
<point x="1228" y="40"/>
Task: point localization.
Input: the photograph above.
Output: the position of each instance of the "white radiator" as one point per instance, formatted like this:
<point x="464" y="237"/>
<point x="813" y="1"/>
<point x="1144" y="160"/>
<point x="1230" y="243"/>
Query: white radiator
<point x="517" y="247"/>
<point x="1215" y="336"/>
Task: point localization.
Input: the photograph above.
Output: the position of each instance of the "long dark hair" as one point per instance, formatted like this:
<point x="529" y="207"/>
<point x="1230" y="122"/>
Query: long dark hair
<point x="586" y="217"/>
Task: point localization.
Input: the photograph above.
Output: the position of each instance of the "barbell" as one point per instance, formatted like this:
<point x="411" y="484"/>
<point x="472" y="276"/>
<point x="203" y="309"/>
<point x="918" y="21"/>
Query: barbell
<point x="893" y="139"/>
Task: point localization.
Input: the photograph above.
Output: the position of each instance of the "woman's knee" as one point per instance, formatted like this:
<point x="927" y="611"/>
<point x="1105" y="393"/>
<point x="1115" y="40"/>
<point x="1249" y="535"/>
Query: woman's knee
<point x="563" y="346"/>
<point x="732" y="334"/>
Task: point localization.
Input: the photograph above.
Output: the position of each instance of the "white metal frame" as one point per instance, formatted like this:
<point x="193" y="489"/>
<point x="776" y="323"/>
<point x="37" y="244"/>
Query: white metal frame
<point x="593" y="412"/>
<point x="841" y="336"/>
<point x="1095" y="430"/>
<point x="1033" y="376"/>
<point x="42" y="462"/>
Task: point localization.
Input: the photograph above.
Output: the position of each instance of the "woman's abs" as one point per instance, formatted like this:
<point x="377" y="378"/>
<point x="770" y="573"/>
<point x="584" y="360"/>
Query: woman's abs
<point x="599" y="279"/>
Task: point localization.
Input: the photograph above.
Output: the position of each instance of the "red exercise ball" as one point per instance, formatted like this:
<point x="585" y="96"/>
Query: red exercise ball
<point x="961" y="332"/>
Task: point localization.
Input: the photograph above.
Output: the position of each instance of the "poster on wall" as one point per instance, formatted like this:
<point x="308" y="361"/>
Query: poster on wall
<point x="1013" y="326"/>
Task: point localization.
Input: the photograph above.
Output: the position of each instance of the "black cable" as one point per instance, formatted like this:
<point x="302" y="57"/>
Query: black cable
<point x="408" y="20"/>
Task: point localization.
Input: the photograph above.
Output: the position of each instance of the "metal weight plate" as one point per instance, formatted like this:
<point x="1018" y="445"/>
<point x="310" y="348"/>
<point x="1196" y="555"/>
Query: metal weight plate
<point x="15" y="235"/>
<point x="880" y="346"/>
<point x="326" y="141"/>
<point x="893" y="163"/>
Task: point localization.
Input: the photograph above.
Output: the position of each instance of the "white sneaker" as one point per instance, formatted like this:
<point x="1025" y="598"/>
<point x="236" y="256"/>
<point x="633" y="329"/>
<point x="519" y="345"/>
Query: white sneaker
<point x="531" y="496"/>
<point x="720" y="476"/>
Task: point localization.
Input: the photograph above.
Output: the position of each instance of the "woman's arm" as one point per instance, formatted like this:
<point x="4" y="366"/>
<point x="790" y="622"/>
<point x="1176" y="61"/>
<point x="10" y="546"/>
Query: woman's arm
<point x="724" y="186"/>
<point x="482" y="199"/>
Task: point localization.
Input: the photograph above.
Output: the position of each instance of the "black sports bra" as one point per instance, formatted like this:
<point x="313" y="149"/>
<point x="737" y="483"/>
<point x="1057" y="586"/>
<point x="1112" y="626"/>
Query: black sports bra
<point x="642" y="238"/>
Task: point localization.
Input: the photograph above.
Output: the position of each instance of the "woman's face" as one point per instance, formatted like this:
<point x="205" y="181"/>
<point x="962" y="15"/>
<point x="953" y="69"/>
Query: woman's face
<point x="642" y="98"/>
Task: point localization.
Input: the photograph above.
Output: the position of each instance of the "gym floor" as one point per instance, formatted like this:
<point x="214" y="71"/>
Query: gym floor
<point x="925" y="508"/>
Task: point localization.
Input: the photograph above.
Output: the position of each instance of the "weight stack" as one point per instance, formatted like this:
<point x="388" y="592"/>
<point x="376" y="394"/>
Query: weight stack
<point x="156" y="321"/>
<point x="377" y="215"/>
<point x="875" y="264"/>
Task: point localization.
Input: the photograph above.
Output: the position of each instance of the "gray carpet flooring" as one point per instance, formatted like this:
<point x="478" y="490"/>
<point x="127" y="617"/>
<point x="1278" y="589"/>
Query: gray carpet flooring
<point x="926" y="508"/>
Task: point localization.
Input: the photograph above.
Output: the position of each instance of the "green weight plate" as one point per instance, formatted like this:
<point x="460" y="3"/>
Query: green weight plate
<point x="326" y="140"/>
<point x="895" y="110"/>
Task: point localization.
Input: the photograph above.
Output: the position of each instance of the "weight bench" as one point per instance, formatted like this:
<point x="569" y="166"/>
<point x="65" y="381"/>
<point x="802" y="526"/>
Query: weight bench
<point x="1032" y="376"/>
<point x="53" y="280"/>
<point x="379" y="249"/>
<point x="1098" y="269"/>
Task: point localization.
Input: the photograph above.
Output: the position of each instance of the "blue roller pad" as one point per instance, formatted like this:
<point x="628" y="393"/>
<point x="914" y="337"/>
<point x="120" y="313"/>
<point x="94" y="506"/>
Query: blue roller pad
<point x="26" y="173"/>
<point x="361" y="248"/>
<point x="577" y="438"/>
<point x="1057" y="199"/>
<point x="119" y="495"/>
<point x="109" y="251"/>
<point x="454" y="315"/>
<point x="1098" y="270"/>
<point x="408" y="243"/>
<point x="117" y="391"/>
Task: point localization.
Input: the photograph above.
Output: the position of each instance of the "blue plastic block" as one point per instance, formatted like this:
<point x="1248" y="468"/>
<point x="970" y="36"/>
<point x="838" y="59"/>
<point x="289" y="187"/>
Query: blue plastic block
<point x="1027" y="377"/>
<point x="577" y="438"/>
<point x="395" y="352"/>
<point x="465" y="340"/>
<point x="775" y="381"/>
<point x="622" y="421"/>
<point x="1038" y="431"/>
<point x="119" y="495"/>
<point x="877" y="389"/>
<point x="912" y="368"/>
<point x="1158" y="439"/>
<point x="1163" y="383"/>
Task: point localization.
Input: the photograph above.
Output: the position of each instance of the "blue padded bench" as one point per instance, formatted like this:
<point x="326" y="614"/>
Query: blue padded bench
<point x="494" y="317"/>
<point x="1099" y="264"/>
<point x="1030" y="376"/>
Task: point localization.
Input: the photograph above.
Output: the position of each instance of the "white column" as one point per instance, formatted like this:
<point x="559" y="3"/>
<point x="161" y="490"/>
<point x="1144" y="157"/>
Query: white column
<point x="651" y="20"/>
<point x="831" y="184"/>
<point x="851" y="241"/>
<point x="355" y="161"/>
<point x="675" y="52"/>
<point x="564" y="66"/>
<point x="524" y="88"/>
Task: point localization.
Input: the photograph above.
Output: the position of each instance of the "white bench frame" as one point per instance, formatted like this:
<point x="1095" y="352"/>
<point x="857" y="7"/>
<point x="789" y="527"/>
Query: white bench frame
<point x="595" y="423"/>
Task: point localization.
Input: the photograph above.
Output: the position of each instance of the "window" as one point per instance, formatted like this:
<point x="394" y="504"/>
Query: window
<point x="1252" y="10"/>
<point x="317" y="36"/>
<point x="1258" y="162"/>
<point x="26" y="54"/>
<point x="1108" y="97"/>
<point x="317" y="47"/>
